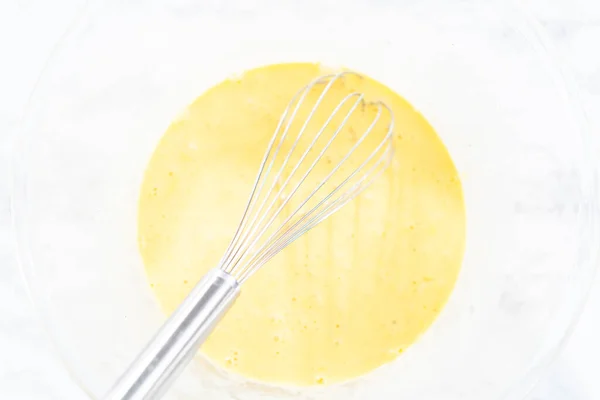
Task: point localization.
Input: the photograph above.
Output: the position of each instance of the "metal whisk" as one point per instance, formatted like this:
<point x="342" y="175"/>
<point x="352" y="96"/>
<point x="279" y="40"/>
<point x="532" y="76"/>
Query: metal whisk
<point x="297" y="187"/>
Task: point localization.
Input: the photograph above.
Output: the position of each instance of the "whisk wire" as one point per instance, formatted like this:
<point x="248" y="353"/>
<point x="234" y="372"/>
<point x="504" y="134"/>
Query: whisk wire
<point x="235" y="246"/>
<point x="290" y="235"/>
<point x="326" y="179"/>
<point x="273" y="216"/>
<point x="283" y="239"/>
<point x="248" y="250"/>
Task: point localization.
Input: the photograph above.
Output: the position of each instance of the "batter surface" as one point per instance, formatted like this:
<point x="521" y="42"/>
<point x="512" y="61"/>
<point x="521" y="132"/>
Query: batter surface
<point x="344" y="299"/>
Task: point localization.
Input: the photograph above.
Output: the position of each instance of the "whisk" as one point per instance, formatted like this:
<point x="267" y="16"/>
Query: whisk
<point x="296" y="188"/>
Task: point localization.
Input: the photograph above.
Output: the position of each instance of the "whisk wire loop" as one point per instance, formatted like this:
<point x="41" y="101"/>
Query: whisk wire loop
<point x="258" y="238"/>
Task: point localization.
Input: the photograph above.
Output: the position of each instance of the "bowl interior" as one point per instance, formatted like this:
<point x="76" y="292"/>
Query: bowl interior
<point x="476" y="71"/>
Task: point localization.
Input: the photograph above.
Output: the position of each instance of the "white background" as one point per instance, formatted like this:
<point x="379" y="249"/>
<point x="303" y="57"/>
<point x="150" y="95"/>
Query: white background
<point x="29" y="29"/>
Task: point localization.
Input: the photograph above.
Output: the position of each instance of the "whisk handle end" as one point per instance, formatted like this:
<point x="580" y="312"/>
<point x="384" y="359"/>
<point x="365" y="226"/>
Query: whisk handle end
<point x="178" y="340"/>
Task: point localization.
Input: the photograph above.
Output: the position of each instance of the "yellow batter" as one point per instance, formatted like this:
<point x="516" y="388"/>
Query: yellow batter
<point x="344" y="299"/>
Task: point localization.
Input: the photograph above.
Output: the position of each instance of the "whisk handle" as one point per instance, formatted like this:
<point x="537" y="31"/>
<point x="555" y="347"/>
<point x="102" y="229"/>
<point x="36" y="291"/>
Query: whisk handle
<point x="178" y="340"/>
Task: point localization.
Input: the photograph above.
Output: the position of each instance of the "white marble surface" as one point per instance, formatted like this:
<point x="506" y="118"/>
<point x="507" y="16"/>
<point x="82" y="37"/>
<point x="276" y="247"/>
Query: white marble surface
<point x="29" y="28"/>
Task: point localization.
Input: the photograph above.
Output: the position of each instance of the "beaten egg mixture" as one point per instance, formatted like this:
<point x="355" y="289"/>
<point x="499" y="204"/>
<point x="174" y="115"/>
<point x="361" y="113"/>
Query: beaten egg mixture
<point x="344" y="299"/>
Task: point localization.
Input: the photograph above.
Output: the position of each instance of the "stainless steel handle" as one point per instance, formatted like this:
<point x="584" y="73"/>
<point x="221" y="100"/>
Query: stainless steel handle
<point x="175" y="344"/>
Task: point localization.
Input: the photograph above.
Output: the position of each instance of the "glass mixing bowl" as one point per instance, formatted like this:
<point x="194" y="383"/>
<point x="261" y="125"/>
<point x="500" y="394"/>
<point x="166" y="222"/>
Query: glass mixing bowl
<point x="479" y="71"/>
